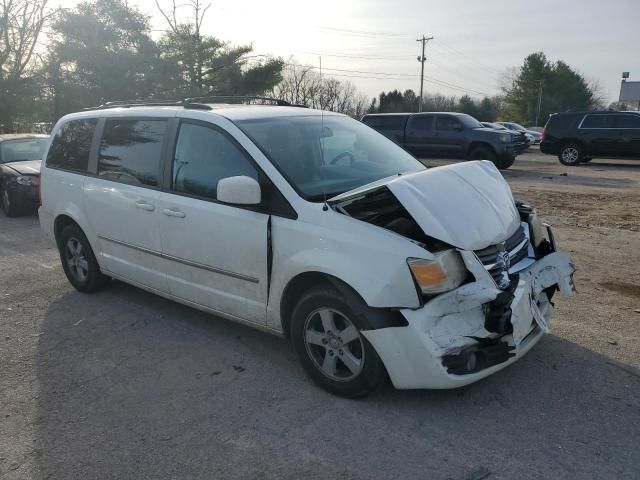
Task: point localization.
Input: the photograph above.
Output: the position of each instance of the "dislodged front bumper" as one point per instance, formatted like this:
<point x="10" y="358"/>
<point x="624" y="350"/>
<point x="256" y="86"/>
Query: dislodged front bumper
<point x="447" y="343"/>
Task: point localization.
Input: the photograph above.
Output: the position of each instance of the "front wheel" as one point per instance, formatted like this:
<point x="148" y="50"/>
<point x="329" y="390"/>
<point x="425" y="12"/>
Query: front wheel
<point x="9" y="208"/>
<point x="326" y="333"/>
<point x="571" y="154"/>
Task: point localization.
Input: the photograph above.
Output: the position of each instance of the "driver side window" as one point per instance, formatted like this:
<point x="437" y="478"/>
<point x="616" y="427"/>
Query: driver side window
<point x="204" y="156"/>
<point x="448" y="123"/>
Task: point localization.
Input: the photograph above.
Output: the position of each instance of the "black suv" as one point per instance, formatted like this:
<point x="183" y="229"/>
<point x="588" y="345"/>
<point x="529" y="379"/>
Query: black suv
<point x="446" y="134"/>
<point x="579" y="137"/>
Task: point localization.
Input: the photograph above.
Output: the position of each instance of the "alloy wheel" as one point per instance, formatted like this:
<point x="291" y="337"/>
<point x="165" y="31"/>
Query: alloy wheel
<point x="334" y="344"/>
<point x="570" y="155"/>
<point x="76" y="260"/>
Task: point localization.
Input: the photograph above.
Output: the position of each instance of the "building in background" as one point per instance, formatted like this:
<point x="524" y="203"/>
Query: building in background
<point x="629" y="91"/>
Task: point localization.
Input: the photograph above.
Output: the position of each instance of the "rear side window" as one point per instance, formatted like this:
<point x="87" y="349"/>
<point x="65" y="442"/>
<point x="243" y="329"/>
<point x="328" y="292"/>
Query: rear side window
<point x="71" y="145"/>
<point x="203" y="157"/>
<point x="130" y="151"/>
<point x="386" y="121"/>
<point x="626" y="121"/>
<point x="597" y="121"/>
<point x="422" y="123"/>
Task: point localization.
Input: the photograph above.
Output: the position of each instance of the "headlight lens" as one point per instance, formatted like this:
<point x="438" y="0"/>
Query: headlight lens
<point x="25" y="180"/>
<point x="445" y="272"/>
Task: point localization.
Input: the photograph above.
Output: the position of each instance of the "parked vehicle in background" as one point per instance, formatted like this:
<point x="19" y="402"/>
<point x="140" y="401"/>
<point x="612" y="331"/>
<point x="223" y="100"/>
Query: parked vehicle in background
<point x="533" y="136"/>
<point x="20" y="159"/>
<point x="446" y="134"/>
<point x="578" y="137"/>
<point x="525" y="140"/>
<point x="310" y="225"/>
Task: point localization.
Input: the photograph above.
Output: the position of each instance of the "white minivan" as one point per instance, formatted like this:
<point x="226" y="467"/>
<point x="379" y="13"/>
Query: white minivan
<point x="309" y="225"/>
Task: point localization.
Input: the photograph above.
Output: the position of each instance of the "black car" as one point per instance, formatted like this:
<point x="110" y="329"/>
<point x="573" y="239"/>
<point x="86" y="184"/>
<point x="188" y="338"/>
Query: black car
<point x="446" y="134"/>
<point x="20" y="158"/>
<point x="579" y="137"/>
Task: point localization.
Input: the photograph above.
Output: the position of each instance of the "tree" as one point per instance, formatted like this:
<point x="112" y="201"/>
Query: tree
<point x="102" y="51"/>
<point x="302" y="85"/>
<point x="467" y="105"/>
<point x="563" y="89"/>
<point x="21" y="23"/>
<point x="193" y="64"/>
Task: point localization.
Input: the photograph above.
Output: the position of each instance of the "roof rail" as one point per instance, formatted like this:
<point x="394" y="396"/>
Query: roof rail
<point x="238" y="98"/>
<point x="198" y="103"/>
<point x="150" y="103"/>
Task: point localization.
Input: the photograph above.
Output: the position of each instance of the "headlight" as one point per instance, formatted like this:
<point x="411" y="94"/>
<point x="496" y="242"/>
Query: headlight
<point x="25" y="180"/>
<point x="505" y="138"/>
<point x="445" y="272"/>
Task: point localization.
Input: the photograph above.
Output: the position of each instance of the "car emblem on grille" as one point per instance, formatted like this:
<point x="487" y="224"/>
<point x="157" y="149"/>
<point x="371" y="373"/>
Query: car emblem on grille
<point x="503" y="263"/>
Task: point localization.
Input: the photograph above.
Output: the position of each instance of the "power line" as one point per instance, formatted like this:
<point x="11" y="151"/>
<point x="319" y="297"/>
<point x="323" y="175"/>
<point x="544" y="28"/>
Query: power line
<point x="360" y="33"/>
<point x="392" y="76"/>
<point x="469" y="58"/>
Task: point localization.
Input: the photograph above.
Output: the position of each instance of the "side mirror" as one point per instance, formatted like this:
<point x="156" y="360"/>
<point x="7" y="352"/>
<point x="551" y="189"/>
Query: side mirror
<point x="240" y="190"/>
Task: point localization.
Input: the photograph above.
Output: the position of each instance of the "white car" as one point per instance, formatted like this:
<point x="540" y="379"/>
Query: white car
<point x="309" y="225"/>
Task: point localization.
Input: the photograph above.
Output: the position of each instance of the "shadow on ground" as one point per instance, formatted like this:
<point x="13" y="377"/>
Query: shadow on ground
<point x="140" y="387"/>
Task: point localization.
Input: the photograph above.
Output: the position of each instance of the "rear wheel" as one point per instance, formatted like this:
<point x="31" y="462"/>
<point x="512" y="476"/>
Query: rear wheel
<point x="79" y="262"/>
<point x="9" y="208"/>
<point x="326" y="333"/>
<point x="571" y="154"/>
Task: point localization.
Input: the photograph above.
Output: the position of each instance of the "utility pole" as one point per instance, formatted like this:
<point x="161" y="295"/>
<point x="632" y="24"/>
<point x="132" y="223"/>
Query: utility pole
<point x="422" y="59"/>
<point x="540" y="82"/>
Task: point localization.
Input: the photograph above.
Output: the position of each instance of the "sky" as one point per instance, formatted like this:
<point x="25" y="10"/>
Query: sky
<point x="372" y="43"/>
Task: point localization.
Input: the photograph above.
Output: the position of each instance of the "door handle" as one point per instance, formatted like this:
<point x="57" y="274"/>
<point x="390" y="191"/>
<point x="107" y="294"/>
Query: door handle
<point x="145" y="206"/>
<point x="173" y="212"/>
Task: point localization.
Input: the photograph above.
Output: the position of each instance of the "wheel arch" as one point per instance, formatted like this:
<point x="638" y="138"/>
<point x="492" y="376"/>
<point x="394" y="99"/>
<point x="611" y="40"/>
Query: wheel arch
<point x="303" y="282"/>
<point x="480" y="144"/>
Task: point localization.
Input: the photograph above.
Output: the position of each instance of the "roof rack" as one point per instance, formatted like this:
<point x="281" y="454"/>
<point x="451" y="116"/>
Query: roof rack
<point x="198" y="103"/>
<point x="250" y="99"/>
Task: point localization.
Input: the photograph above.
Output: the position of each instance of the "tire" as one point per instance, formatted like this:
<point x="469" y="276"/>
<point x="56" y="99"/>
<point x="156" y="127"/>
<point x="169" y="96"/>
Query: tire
<point x="9" y="208"/>
<point x="502" y="163"/>
<point x="79" y="262"/>
<point x="348" y="367"/>
<point x="571" y="154"/>
<point x="482" y="153"/>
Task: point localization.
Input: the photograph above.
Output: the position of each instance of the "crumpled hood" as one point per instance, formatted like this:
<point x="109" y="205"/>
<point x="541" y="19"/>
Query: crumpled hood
<point x="26" y="167"/>
<point x="468" y="205"/>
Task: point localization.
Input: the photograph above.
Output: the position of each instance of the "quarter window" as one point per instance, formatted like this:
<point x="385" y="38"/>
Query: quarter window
<point x="130" y="151"/>
<point x="627" y="121"/>
<point x="70" y="147"/>
<point x="204" y="156"/>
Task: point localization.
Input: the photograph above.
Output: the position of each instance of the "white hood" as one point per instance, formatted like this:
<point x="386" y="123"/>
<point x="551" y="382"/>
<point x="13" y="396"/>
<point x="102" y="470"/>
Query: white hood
<point x="468" y="205"/>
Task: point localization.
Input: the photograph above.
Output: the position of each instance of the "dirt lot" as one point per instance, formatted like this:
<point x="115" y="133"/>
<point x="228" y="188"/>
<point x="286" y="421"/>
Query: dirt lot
<point x="124" y="384"/>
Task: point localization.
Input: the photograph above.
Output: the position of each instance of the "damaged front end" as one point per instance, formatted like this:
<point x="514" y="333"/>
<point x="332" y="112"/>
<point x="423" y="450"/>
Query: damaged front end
<point x="490" y="315"/>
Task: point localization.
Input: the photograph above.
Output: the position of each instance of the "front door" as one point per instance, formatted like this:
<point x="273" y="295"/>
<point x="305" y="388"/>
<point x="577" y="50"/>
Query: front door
<point x="628" y="131"/>
<point x="450" y="136"/>
<point x="216" y="254"/>
<point x="420" y="135"/>
<point x="122" y="199"/>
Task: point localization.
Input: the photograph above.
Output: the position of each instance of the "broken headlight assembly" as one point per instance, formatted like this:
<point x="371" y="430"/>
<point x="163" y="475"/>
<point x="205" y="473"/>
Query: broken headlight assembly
<point x="443" y="273"/>
<point x="25" y="180"/>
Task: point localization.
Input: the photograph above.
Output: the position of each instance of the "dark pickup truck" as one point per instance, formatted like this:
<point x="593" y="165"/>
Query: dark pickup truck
<point x="453" y="135"/>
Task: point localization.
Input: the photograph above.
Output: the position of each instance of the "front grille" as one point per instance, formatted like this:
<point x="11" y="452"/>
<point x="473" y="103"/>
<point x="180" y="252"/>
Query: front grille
<point x="517" y="246"/>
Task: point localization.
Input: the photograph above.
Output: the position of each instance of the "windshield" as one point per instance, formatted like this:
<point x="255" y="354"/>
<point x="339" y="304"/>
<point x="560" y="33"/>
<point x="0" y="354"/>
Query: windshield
<point x="323" y="158"/>
<point x="25" y="149"/>
<point x="468" y="121"/>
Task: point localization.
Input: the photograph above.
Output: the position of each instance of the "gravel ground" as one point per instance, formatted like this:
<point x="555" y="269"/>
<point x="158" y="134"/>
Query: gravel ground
<point x="124" y="384"/>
